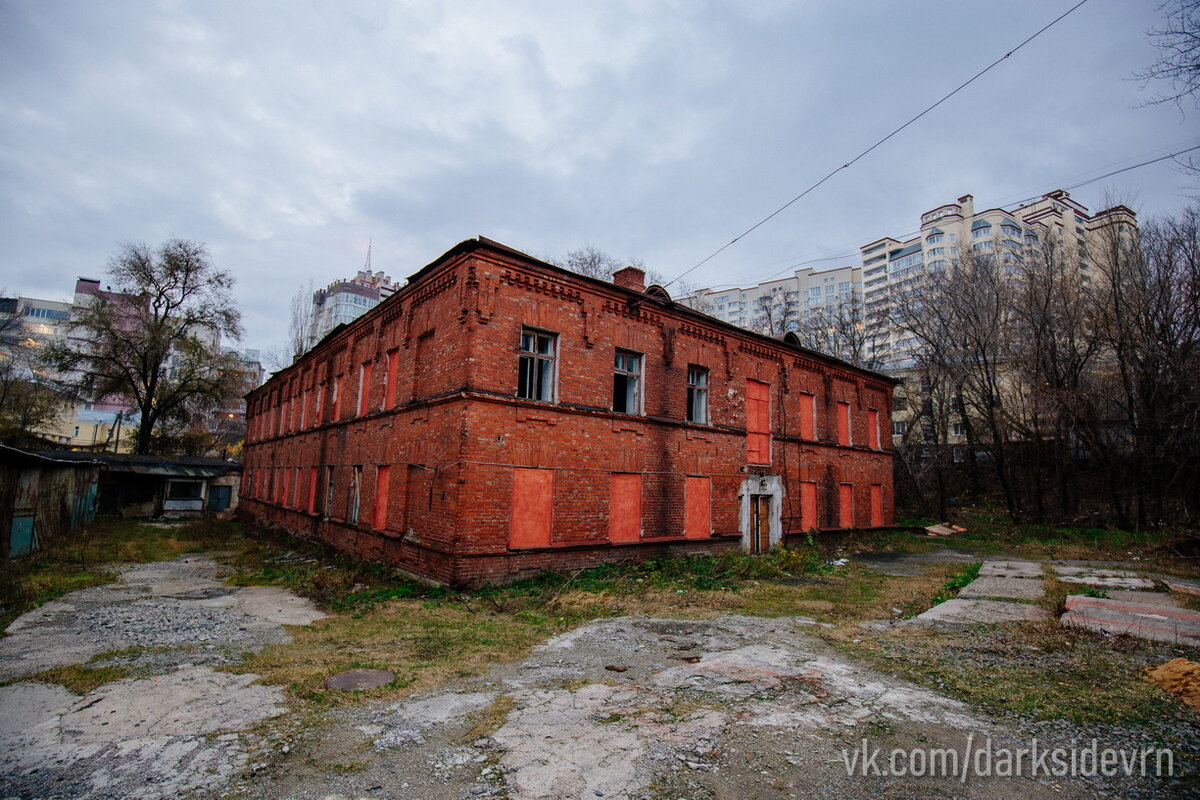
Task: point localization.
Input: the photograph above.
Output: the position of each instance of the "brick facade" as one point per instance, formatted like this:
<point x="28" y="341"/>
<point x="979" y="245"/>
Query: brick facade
<point x="404" y="436"/>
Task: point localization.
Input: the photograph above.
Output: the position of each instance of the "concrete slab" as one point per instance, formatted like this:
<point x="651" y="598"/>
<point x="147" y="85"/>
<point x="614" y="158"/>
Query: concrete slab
<point x="1013" y="588"/>
<point x="1184" y="587"/>
<point x="1096" y="572"/>
<point x="1145" y="598"/>
<point x="967" y="612"/>
<point x="1010" y="569"/>
<point x="1102" y="581"/>
<point x="1143" y="620"/>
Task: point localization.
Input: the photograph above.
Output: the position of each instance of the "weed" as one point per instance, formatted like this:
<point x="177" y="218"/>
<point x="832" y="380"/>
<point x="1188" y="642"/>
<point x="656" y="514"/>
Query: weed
<point x="76" y="678"/>
<point x="955" y="583"/>
<point x="1090" y="591"/>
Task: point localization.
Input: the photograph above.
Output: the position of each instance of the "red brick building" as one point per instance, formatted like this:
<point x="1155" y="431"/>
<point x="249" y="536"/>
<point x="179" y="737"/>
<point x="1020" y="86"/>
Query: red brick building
<point x="499" y="416"/>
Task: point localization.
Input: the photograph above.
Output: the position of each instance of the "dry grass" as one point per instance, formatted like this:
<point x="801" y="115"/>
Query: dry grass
<point x="77" y="678"/>
<point x="1035" y="670"/>
<point x="492" y="718"/>
<point x="426" y="643"/>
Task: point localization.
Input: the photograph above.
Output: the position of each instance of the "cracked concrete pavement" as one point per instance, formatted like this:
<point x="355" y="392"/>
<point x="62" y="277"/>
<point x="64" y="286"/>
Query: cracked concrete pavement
<point x="179" y="725"/>
<point x="630" y="707"/>
<point x="733" y="707"/>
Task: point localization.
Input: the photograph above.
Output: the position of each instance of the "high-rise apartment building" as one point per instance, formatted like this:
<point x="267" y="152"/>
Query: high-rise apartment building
<point x="894" y="270"/>
<point x="345" y="301"/>
<point x="782" y="304"/>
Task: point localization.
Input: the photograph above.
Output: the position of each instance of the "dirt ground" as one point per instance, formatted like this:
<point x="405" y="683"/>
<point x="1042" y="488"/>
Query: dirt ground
<point x="627" y="707"/>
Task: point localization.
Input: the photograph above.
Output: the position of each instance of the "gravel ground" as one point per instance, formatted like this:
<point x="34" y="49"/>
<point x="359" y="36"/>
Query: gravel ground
<point x="632" y="707"/>
<point x="737" y="707"/>
<point x="178" y="726"/>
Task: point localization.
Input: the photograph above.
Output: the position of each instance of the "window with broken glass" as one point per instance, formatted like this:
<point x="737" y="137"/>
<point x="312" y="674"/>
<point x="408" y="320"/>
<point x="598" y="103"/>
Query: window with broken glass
<point x="697" y="394"/>
<point x="535" y="374"/>
<point x="627" y="374"/>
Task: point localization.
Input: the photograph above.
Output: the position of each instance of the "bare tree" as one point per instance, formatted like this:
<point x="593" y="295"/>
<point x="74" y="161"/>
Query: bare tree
<point x="300" y="323"/>
<point x="1178" y="41"/>
<point x="962" y="320"/>
<point x="841" y="330"/>
<point x="1145" y="422"/>
<point x="775" y="314"/>
<point x="593" y="262"/>
<point x="156" y="339"/>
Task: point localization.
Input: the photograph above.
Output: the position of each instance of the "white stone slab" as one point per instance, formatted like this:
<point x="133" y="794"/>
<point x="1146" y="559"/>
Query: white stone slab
<point x="982" y="611"/>
<point x="1015" y="588"/>
<point x="1103" y="581"/>
<point x="1010" y="569"/>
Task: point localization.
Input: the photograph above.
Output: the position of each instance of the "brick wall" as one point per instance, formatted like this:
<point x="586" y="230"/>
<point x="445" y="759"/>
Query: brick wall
<point x="447" y="349"/>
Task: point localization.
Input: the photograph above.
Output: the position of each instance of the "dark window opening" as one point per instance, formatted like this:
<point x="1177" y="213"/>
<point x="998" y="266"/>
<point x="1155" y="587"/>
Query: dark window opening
<point x="185" y="490"/>
<point x="697" y="394"/>
<point x="535" y="377"/>
<point x="626" y="383"/>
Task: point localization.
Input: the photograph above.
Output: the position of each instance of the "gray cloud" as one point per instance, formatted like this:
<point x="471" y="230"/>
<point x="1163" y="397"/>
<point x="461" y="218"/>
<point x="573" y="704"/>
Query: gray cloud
<point x="285" y="135"/>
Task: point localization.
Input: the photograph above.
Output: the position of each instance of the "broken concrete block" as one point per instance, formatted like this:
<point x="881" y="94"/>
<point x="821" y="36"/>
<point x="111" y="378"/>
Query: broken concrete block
<point x="965" y="612"/>
<point x="1010" y="569"/>
<point x="1145" y="621"/>
<point x="1012" y="588"/>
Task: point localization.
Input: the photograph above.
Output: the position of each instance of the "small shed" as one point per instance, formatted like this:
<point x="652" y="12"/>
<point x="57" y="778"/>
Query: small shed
<point x="161" y="486"/>
<point x="43" y="498"/>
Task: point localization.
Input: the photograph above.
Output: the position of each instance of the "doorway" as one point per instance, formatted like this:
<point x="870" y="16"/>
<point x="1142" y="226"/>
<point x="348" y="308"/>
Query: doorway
<point x="760" y="523"/>
<point x="761" y="505"/>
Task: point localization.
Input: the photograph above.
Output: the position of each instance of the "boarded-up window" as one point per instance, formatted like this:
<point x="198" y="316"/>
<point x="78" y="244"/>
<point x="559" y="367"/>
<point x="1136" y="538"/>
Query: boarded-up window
<point x="758" y="422"/>
<point x="697" y="502"/>
<point x="312" y="490"/>
<point x="379" y="517"/>
<point x="364" y="386"/>
<point x="808" y="416"/>
<point x="389" y="394"/>
<point x="304" y="410"/>
<point x="846" y="505"/>
<point x="873" y="428"/>
<point x="533" y="490"/>
<point x="808" y="505"/>
<point x="625" y="508"/>
<point x="296" y="488"/>
<point x="876" y="505"/>
<point x="843" y="423"/>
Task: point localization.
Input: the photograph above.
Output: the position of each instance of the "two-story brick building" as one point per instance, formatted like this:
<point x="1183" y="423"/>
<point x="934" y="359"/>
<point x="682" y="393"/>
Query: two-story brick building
<point x="499" y="416"/>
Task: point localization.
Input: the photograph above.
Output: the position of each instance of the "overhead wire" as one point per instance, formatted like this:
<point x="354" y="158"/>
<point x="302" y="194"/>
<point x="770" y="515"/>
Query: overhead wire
<point x="906" y="236"/>
<point x="874" y="146"/>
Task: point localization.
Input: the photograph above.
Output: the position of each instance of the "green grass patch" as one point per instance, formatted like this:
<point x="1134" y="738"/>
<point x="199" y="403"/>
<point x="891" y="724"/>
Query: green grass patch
<point x="955" y="583"/>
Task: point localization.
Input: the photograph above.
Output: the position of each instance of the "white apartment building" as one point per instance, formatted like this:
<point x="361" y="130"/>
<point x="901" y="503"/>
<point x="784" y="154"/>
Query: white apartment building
<point x="893" y="269"/>
<point x="782" y="304"/>
<point x="343" y="301"/>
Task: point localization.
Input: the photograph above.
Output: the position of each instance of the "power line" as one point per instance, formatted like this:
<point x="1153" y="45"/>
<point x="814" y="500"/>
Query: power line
<point x="906" y="236"/>
<point x="852" y="161"/>
<point x="1114" y="172"/>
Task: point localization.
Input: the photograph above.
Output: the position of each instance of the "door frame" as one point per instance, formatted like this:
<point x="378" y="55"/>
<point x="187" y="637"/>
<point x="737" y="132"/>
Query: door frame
<point x="772" y="487"/>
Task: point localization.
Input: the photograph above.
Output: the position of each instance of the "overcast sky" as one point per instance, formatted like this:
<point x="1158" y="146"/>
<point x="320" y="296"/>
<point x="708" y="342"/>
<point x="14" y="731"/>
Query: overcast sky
<point x="285" y="135"/>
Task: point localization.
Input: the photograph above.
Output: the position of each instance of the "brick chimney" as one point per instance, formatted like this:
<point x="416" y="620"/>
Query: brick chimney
<point x="630" y="278"/>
